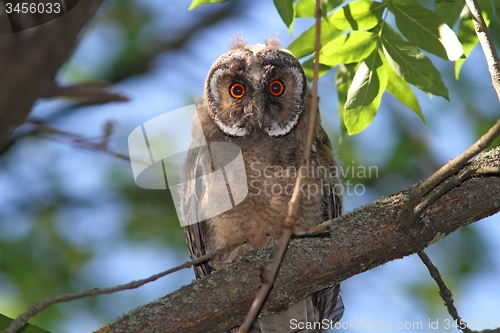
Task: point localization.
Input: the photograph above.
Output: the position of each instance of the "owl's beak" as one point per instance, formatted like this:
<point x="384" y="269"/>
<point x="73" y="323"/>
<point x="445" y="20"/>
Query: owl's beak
<point x="258" y="104"/>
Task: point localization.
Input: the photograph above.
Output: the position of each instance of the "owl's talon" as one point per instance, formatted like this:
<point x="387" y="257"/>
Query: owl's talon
<point x="270" y="238"/>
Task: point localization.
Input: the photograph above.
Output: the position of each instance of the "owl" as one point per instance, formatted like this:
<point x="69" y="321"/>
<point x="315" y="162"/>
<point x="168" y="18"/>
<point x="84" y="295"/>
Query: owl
<point x="256" y="103"/>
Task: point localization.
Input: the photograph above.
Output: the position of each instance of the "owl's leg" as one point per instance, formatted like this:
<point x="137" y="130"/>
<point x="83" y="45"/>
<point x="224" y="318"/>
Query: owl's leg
<point x="231" y="256"/>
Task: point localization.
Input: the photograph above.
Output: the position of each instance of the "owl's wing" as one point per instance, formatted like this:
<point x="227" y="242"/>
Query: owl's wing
<point x="195" y="238"/>
<point x="328" y="302"/>
<point x="196" y="231"/>
<point x="332" y="197"/>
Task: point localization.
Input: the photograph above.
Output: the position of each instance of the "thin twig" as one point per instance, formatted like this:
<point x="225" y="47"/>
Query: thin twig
<point x="27" y="130"/>
<point x="101" y="146"/>
<point x="444" y="292"/>
<point x="294" y="204"/>
<point x="484" y="36"/>
<point x="33" y="310"/>
<point x="448" y="169"/>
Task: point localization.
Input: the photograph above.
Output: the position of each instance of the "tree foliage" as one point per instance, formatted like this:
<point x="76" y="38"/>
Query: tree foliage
<point x="360" y="34"/>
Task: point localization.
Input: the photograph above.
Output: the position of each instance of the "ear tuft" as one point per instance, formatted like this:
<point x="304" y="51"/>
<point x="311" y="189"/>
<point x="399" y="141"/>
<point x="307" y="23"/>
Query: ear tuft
<point x="238" y="42"/>
<point x="273" y="42"/>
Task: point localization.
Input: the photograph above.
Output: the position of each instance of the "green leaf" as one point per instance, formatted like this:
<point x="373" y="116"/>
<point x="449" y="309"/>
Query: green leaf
<point x="365" y="84"/>
<point x="365" y="94"/>
<point x="196" y="3"/>
<point x="427" y="30"/>
<point x="343" y="80"/>
<point x="28" y="328"/>
<point x="358" y="15"/>
<point x="401" y="90"/>
<point x="286" y="11"/>
<point x="306" y="8"/>
<point x="352" y="47"/>
<point x="304" y="44"/>
<point x="449" y="10"/>
<point x="467" y="34"/>
<point x="412" y="65"/>
<point x="309" y="69"/>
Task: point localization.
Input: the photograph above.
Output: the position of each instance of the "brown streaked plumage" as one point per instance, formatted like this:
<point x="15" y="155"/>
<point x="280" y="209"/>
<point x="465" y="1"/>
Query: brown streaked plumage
<point x="257" y="98"/>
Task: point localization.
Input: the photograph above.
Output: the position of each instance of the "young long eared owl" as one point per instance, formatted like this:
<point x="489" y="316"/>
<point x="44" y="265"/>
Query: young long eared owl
<point x="256" y="98"/>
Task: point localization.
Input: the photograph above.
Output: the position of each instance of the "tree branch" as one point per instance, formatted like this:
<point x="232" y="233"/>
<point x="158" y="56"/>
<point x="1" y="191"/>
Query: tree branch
<point x="101" y="145"/>
<point x="484" y="36"/>
<point x="88" y="93"/>
<point x="37" y="52"/>
<point x="450" y="168"/>
<point x="444" y="292"/>
<point x="359" y="241"/>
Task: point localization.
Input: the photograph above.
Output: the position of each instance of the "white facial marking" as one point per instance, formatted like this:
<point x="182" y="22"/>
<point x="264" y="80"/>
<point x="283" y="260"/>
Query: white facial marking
<point x="276" y="129"/>
<point x="233" y="130"/>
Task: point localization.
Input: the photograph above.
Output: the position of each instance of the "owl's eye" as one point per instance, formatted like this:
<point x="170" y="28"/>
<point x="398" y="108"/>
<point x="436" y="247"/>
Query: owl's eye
<point x="237" y="90"/>
<point x="277" y="88"/>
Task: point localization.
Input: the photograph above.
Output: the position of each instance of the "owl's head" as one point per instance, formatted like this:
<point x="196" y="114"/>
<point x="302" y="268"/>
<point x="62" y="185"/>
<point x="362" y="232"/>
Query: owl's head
<point x="256" y="88"/>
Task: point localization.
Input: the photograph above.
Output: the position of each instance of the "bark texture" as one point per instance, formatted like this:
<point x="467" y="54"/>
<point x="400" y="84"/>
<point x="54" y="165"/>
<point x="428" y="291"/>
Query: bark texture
<point x="358" y="241"/>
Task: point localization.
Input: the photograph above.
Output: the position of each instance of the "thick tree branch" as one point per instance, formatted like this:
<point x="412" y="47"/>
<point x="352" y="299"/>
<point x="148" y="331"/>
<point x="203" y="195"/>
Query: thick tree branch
<point x="34" y="56"/>
<point x="358" y="241"/>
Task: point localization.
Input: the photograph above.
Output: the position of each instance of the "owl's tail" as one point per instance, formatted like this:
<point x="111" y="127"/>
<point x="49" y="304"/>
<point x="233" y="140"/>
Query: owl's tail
<point x="314" y="314"/>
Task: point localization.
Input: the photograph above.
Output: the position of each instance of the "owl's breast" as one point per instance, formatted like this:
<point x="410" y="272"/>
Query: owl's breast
<point x="260" y="216"/>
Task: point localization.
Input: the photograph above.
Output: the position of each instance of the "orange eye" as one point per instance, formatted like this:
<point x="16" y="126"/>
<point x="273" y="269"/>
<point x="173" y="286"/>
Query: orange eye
<point x="237" y="90"/>
<point x="277" y="88"/>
